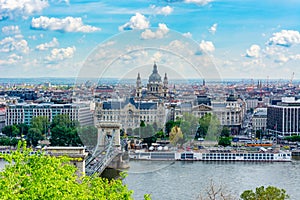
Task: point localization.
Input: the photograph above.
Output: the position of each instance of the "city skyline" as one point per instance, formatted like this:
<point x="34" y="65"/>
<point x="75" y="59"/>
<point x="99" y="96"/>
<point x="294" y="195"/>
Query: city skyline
<point x="208" y="39"/>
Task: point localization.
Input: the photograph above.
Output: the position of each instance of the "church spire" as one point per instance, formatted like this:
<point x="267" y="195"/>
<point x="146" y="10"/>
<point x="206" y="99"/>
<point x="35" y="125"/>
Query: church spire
<point x="138" y="85"/>
<point x="155" y="68"/>
<point x="165" y="80"/>
<point x="138" y="81"/>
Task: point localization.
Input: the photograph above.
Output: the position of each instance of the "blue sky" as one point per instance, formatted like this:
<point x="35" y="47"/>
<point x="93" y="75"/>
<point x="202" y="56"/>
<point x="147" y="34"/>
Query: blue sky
<point x="186" y="38"/>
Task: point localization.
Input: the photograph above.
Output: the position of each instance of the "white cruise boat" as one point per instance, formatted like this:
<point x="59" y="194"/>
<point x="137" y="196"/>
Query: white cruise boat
<point x="222" y="155"/>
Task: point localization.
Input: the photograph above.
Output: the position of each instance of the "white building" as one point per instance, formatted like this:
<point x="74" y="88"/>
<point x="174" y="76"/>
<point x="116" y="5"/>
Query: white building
<point x="259" y="119"/>
<point x="23" y="113"/>
<point x="251" y="103"/>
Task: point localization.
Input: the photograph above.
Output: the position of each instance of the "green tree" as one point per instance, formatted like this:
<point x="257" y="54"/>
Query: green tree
<point x="63" y="120"/>
<point x="224" y="141"/>
<point x="34" y="136"/>
<point x="64" y="132"/>
<point x="142" y="124"/>
<point x="225" y="132"/>
<point x="204" y="123"/>
<point x="23" y="128"/>
<point x="258" y="134"/>
<point x="11" y="130"/>
<point x="294" y="138"/>
<point x="148" y="134"/>
<point x="170" y="124"/>
<point x="175" y="135"/>
<point x="262" y="193"/>
<point x="41" y="123"/>
<point x="64" y="136"/>
<point x="40" y="176"/>
<point x="189" y="124"/>
<point x="5" y="141"/>
<point x="160" y="134"/>
<point x="14" y="142"/>
<point x="209" y="126"/>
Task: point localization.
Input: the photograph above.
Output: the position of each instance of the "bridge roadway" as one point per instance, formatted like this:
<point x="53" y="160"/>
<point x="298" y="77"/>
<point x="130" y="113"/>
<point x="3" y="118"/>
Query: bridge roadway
<point x="101" y="158"/>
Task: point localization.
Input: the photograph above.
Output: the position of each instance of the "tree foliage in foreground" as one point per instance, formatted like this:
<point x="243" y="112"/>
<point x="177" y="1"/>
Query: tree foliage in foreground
<point x="40" y="176"/>
<point x="262" y="193"/>
<point x="217" y="192"/>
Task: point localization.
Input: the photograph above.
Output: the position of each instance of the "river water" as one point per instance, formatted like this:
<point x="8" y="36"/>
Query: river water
<point x="187" y="180"/>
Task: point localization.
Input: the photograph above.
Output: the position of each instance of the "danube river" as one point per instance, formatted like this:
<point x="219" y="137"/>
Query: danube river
<point x="186" y="180"/>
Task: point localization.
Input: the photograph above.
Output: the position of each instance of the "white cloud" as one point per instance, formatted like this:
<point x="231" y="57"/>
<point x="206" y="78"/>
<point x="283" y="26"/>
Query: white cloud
<point x="138" y="21"/>
<point x="187" y="35"/>
<point x="285" y="38"/>
<point x="107" y="44"/>
<point x="62" y="1"/>
<point x="9" y="9"/>
<point x="157" y="56"/>
<point x="10" y="44"/>
<point x="253" y="52"/>
<point x="180" y="48"/>
<point x="53" y="43"/>
<point x="281" y="58"/>
<point x="61" y="54"/>
<point x="167" y="10"/>
<point x="213" y="28"/>
<point x="12" y="59"/>
<point x="68" y="24"/>
<point x="161" y="31"/>
<point x="10" y="30"/>
<point x="199" y="2"/>
<point x="295" y="57"/>
<point x="206" y="47"/>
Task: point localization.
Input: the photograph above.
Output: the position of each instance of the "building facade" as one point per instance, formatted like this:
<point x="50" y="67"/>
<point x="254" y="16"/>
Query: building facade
<point x="2" y="117"/>
<point x="283" y="118"/>
<point x="251" y="103"/>
<point x="230" y="112"/>
<point x="129" y="113"/>
<point x="259" y="119"/>
<point x="23" y="113"/>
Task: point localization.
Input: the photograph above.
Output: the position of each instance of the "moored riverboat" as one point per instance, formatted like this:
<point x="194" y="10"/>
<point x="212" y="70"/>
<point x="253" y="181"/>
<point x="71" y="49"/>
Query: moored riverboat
<point x="224" y="155"/>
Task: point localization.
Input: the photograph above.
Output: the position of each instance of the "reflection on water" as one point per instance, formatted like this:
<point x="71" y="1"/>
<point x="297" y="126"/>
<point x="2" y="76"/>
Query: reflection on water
<point x="186" y="180"/>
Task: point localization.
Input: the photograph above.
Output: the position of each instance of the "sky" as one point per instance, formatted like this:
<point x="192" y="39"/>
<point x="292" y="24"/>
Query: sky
<point x="240" y="39"/>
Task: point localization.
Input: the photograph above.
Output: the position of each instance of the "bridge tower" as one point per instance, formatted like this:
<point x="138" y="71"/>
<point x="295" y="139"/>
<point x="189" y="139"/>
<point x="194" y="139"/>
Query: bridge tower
<point x="107" y="131"/>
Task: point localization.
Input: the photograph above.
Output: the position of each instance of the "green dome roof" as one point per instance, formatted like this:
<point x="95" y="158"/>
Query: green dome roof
<point x="154" y="77"/>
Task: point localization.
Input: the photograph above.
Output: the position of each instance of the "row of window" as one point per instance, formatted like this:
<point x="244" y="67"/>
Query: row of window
<point x="237" y="154"/>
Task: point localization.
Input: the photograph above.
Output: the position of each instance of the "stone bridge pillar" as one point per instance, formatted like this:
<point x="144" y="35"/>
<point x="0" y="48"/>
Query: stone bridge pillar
<point x="77" y="155"/>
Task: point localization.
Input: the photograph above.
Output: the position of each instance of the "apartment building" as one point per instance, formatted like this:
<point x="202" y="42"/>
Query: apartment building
<point x="23" y="113"/>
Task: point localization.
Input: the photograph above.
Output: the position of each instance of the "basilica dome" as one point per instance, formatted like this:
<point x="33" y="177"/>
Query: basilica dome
<point x="154" y="77"/>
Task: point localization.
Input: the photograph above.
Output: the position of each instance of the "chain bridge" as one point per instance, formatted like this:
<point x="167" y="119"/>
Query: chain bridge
<point x="107" y="149"/>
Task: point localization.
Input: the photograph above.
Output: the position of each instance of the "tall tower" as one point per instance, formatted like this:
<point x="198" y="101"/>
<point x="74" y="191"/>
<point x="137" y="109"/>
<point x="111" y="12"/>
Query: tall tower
<point x="165" y="87"/>
<point x="138" y="90"/>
